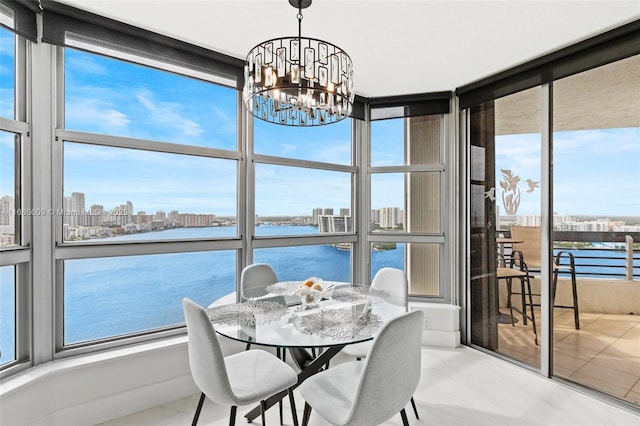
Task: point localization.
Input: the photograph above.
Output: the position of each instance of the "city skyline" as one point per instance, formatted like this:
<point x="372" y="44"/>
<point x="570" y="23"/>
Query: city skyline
<point x="96" y="208"/>
<point x="82" y="222"/>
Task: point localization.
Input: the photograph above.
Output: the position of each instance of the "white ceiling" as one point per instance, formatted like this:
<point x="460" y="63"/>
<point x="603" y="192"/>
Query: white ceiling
<point x="397" y="46"/>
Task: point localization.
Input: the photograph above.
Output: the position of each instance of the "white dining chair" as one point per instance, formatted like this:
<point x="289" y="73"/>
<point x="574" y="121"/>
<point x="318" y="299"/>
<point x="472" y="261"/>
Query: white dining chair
<point x="372" y="391"/>
<point x="394" y="282"/>
<point x="239" y="379"/>
<point x="254" y="279"/>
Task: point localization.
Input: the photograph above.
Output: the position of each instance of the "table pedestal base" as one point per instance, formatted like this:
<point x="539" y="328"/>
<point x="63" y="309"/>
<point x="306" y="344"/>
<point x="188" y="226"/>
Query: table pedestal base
<point x="308" y="367"/>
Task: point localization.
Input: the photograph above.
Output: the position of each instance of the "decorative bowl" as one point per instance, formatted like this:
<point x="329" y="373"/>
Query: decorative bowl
<point x="309" y="296"/>
<point x="310" y="291"/>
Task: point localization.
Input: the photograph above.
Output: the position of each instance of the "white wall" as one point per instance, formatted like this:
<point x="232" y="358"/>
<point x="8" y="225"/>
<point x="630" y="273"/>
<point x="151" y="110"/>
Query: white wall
<point x="91" y="389"/>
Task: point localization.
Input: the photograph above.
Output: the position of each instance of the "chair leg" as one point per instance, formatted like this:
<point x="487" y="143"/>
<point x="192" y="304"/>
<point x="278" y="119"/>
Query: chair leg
<point x="198" y="409"/>
<point x="574" y="288"/>
<point x="263" y="409"/>
<point x="574" y="291"/>
<point x="292" y="402"/>
<point x="306" y="414"/>
<point x="415" y="410"/>
<point x="403" y="414"/>
<point x="533" y="315"/>
<point x="280" y="356"/>
<point x="523" y="301"/>
<point x="509" y="304"/>
<point x="232" y="415"/>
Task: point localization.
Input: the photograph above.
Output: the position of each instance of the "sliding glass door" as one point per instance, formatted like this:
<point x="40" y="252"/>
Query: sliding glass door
<point x="579" y="178"/>
<point x="505" y="170"/>
<point x="596" y="199"/>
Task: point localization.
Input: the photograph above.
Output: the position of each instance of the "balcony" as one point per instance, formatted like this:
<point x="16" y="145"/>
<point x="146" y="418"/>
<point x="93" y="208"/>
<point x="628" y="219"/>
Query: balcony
<point x="604" y="354"/>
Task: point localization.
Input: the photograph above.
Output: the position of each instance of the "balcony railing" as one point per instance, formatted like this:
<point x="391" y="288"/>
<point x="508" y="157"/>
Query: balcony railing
<point x="601" y="254"/>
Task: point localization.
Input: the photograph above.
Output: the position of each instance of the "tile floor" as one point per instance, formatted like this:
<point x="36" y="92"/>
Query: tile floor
<point x="460" y="386"/>
<point x="604" y="354"/>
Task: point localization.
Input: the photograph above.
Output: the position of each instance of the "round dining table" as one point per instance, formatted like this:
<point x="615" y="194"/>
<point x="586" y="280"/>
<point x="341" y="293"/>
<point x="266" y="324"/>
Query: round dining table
<point x="312" y="334"/>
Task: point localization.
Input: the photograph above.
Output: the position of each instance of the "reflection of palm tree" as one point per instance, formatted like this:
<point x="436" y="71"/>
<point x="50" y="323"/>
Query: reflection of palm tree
<point x="511" y="192"/>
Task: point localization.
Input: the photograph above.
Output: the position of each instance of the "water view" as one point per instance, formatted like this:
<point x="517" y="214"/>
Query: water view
<point x="116" y="296"/>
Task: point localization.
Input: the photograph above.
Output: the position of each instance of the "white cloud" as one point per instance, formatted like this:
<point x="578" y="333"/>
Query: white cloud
<point x="100" y="116"/>
<point x="85" y="64"/>
<point x="167" y="115"/>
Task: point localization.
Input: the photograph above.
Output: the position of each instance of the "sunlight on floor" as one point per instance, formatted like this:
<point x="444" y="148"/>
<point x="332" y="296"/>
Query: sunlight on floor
<point x="604" y="354"/>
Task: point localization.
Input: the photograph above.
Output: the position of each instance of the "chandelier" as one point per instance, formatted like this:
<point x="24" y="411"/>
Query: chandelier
<point x="298" y="81"/>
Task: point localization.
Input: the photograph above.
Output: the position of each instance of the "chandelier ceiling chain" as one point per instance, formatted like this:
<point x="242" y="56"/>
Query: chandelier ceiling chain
<point x="298" y="81"/>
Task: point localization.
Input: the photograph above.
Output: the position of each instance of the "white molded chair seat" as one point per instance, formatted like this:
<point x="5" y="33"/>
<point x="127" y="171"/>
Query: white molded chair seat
<point x="372" y="391"/>
<point x="239" y="379"/>
<point x="336" y="393"/>
<point x="252" y="376"/>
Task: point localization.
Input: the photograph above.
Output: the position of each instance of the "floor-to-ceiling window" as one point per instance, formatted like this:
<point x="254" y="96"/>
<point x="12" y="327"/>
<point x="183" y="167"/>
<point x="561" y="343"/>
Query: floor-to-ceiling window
<point x="158" y="186"/>
<point x="555" y="168"/>
<point x="146" y="195"/>
<point x="300" y="202"/>
<point x="15" y="208"/>
<point x="505" y="192"/>
<point x="407" y="177"/>
<point x="596" y="200"/>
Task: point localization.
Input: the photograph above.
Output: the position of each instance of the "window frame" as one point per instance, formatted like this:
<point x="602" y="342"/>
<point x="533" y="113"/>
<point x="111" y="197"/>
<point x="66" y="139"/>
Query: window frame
<point x="20" y="255"/>
<point x="88" y="249"/>
<point x="395" y="109"/>
<point x="277" y="241"/>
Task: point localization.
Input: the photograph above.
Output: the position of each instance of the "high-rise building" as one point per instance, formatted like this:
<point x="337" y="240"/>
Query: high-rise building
<point x="314" y="216"/>
<point x="174" y="216"/>
<point x="77" y="202"/>
<point x="344" y="212"/>
<point x="390" y="217"/>
<point x="375" y="216"/>
<point x="329" y="224"/>
<point x="7" y="218"/>
<point x="96" y="215"/>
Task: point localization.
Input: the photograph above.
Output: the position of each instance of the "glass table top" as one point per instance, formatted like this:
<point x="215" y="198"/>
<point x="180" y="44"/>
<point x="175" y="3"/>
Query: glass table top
<point x="276" y="317"/>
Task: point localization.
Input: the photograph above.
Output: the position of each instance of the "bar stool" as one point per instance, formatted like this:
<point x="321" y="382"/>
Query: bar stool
<point x="516" y="268"/>
<point x="570" y="267"/>
<point x="530" y="247"/>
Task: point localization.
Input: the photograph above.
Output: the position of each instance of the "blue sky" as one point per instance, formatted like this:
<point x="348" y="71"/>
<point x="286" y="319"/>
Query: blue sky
<point x="596" y="172"/>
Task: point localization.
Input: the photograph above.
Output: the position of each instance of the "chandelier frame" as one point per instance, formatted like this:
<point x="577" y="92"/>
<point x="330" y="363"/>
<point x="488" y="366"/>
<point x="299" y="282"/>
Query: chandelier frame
<point x="298" y="81"/>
